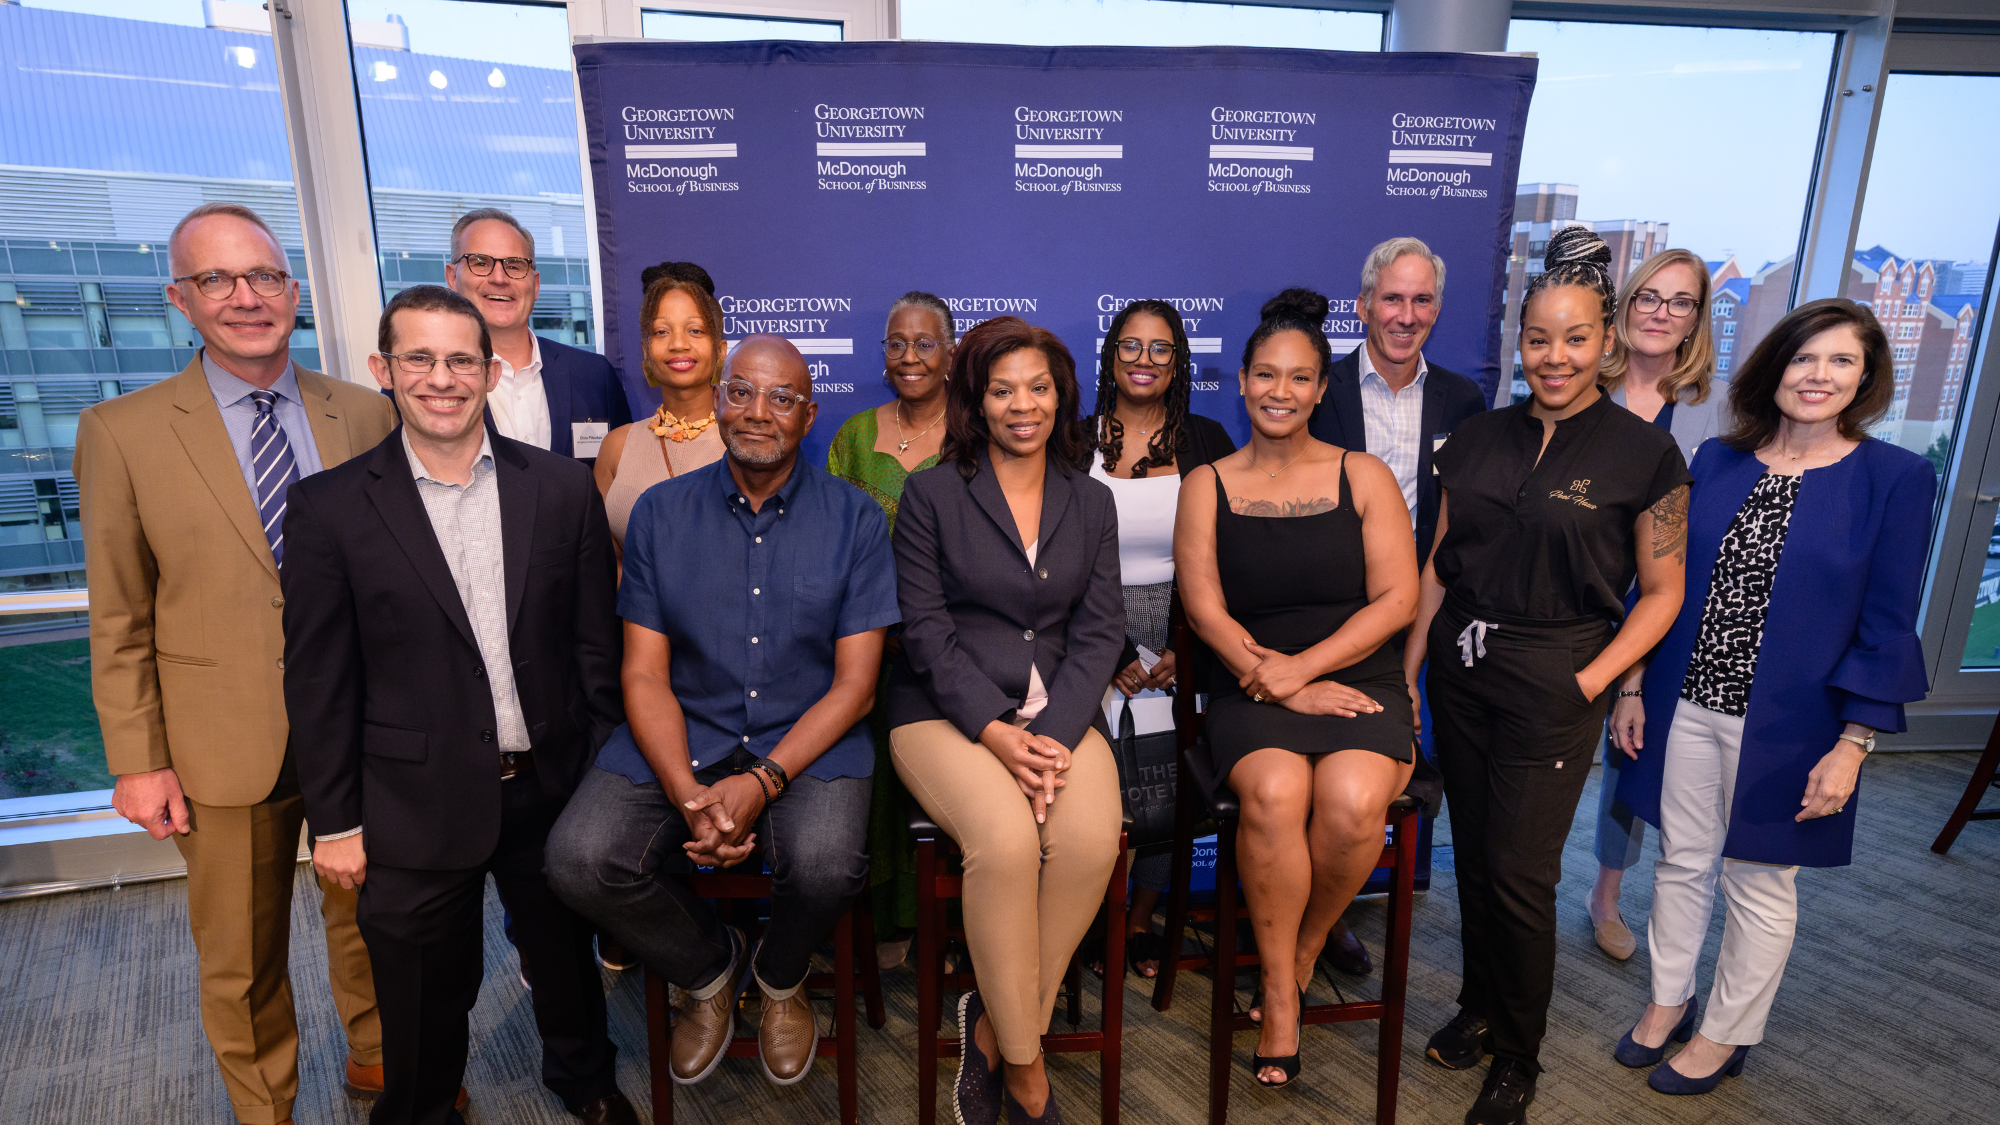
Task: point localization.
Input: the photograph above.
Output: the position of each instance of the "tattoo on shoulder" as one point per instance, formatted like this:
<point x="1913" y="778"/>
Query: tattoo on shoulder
<point x="1312" y="507"/>
<point x="1670" y="525"/>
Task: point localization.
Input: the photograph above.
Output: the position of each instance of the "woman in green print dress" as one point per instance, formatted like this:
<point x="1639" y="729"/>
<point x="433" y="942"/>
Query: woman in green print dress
<point x="876" y="450"/>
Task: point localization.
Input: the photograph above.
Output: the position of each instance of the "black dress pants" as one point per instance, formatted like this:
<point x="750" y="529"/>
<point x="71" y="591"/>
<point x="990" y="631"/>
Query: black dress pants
<point x="424" y="935"/>
<point x="1515" y="740"/>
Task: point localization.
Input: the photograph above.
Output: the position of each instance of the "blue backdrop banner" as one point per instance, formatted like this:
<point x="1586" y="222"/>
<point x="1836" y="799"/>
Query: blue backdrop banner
<point x="818" y="181"/>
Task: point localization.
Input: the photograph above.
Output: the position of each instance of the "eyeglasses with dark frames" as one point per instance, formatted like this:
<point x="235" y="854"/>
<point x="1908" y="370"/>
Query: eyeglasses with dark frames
<point x="893" y="348"/>
<point x="739" y="395"/>
<point x="423" y="363"/>
<point x="218" y="284"/>
<point x="1647" y="301"/>
<point x="482" y="264"/>
<point x="1130" y="349"/>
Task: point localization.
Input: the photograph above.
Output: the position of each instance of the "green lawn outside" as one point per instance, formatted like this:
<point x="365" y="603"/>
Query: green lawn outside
<point x="1982" y="641"/>
<point x="49" y="742"/>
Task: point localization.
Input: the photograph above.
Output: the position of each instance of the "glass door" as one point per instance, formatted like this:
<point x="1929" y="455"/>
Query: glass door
<point x="1924" y="261"/>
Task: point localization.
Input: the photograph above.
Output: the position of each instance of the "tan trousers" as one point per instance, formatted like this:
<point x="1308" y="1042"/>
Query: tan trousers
<point x="241" y="864"/>
<point x="1031" y="889"/>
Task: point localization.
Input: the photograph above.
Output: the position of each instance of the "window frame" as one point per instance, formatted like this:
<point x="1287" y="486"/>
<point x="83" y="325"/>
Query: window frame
<point x="321" y="108"/>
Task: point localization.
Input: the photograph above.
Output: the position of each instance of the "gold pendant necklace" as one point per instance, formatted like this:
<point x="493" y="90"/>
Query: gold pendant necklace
<point x="903" y="445"/>
<point x="665" y="425"/>
<point x="1281" y="468"/>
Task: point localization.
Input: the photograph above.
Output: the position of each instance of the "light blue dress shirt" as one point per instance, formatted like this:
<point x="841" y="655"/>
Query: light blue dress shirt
<point x="239" y="415"/>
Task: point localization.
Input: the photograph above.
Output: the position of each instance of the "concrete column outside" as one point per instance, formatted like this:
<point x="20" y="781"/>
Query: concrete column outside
<point x="1449" y="25"/>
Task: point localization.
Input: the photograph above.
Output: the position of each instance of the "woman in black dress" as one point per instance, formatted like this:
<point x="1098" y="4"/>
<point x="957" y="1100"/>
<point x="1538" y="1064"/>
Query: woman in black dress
<point x="1296" y="566"/>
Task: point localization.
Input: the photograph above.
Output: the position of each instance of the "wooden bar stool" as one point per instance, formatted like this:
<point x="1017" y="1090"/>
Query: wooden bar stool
<point x="1968" y="806"/>
<point x="1196" y="800"/>
<point x="855" y="931"/>
<point x="936" y="886"/>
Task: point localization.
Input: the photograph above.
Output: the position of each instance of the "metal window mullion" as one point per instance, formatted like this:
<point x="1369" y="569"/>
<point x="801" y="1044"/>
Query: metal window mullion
<point x="1847" y="145"/>
<point x="329" y="171"/>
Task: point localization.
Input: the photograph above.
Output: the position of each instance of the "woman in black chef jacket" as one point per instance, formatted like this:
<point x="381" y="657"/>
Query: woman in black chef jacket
<point x="1552" y="507"/>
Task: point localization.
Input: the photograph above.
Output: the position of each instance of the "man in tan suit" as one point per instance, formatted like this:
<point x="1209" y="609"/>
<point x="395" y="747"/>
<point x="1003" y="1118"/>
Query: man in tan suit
<point x="183" y="486"/>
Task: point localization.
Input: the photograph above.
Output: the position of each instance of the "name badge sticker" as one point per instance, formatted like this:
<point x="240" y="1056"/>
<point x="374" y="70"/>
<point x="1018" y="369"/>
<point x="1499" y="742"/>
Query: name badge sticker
<point x="585" y="437"/>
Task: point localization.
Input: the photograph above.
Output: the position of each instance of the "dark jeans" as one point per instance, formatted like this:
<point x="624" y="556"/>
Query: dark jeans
<point x="1515" y="739"/>
<point x="423" y="930"/>
<point x="616" y="857"/>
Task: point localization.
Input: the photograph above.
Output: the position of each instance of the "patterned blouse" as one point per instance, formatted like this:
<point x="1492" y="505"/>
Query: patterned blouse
<point x="853" y="458"/>
<point x="1732" y="620"/>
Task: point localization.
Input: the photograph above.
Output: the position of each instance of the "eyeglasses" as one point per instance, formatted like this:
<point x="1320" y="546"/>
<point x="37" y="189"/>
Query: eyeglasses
<point x="217" y="284"/>
<point x="893" y="348"/>
<point x="1130" y="350"/>
<point x="1647" y="301"/>
<point x="739" y="395"/>
<point x="482" y="264"/>
<point x="423" y="363"/>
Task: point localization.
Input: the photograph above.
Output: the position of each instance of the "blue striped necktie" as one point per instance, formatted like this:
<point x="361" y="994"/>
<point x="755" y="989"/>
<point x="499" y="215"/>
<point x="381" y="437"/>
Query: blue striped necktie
<point x="272" y="463"/>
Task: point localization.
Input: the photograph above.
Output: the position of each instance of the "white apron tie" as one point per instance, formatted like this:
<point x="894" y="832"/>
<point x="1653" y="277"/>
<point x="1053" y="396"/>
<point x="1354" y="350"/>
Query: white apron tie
<point x="1473" y="640"/>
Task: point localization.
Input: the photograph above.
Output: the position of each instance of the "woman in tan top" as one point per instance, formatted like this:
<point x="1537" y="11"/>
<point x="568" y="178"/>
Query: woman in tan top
<point x="682" y="325"/>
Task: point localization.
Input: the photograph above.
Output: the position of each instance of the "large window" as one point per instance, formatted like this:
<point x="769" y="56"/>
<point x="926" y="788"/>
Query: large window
<point x="1659" y="137"/>
<point x="466" y="104"/>
<point x="1140" y="23"/>
<point x="1925" y="246"/>
<point x="139" y="111"/>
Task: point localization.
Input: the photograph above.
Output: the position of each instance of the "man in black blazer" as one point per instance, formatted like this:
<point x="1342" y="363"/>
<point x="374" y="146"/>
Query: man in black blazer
<point x="1365" y="407"/>
<point x="452" y="656"/>
<point x="551" y="396"/>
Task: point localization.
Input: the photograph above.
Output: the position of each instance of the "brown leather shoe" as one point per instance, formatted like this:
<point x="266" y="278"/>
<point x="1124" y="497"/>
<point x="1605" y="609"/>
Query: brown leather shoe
<point x="787" y="1036"/>
<point x="703" y="1028"/>
<point x="365" y="1082"/>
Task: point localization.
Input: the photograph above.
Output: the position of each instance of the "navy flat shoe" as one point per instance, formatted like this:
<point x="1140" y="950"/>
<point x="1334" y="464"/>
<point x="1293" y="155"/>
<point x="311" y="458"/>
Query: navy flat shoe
<point x="1667" y="1080"/>
<point x="1630" y="1053"/>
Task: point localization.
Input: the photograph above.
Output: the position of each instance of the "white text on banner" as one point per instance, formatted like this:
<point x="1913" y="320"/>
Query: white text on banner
<point x="677" y="152"/>
<point x="808" y="347"/>
<point x="1440" y="156"/>
<point x="1259" y="152"/>
<point x="1078" y="152"/>
<point x="891" y="148"/>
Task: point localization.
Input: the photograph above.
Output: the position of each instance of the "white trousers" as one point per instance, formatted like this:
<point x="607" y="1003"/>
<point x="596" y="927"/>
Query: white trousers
<point x="1702" y="749"/>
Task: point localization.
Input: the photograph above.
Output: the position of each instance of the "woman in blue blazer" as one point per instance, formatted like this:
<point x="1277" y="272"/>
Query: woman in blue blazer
<point x="1795" y="644"/>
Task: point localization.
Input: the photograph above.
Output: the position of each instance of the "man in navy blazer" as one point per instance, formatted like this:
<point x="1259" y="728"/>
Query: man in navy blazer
<point x="551" y="396"/>
<point x="1383" y="397"/>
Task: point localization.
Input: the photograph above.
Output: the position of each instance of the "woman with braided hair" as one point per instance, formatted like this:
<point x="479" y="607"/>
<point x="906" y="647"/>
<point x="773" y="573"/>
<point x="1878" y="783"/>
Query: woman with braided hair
<point x="1143" y="441"/>
<point x="1552" y="508"/>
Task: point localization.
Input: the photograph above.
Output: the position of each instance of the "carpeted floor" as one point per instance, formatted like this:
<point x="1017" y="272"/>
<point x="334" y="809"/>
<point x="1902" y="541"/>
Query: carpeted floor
<point x="1890" y="1012"/>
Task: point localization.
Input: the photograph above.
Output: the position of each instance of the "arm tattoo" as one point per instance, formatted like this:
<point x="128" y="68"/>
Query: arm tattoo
<point x="1670" y="525"/>
<point x="1313" y="507"/>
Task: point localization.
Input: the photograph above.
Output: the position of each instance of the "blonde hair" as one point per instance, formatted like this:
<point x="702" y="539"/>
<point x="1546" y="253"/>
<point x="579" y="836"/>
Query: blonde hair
<point x="1694" y="358"/>
<point x="704" y="302"/>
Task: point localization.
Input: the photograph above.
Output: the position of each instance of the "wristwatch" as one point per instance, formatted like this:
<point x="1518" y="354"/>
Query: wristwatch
<point x="1867" y="744"/>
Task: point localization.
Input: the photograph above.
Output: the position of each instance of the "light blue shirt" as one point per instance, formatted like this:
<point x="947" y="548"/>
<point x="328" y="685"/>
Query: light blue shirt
<point x="239" y="415"/>
<point x="1394" y="422"/>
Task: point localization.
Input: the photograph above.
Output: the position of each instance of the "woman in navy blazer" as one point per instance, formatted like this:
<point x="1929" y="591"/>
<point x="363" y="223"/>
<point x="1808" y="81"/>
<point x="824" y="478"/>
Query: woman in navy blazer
<point x="1795" y="644"/>
<point x="1013" y="619"/>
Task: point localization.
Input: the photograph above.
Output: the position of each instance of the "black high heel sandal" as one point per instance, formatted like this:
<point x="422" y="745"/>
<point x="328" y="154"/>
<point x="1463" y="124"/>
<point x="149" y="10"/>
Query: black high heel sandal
<point x="1289" y="1063"/>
